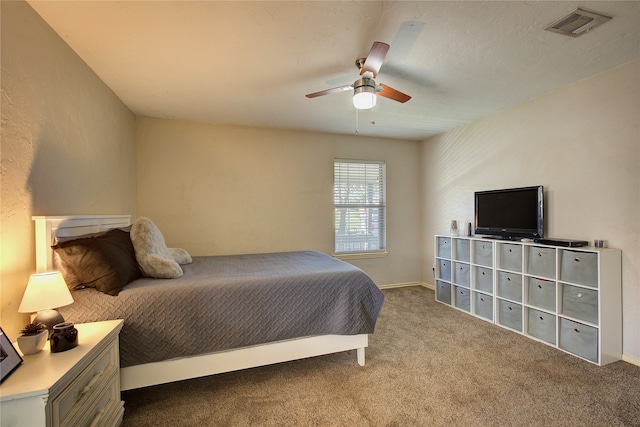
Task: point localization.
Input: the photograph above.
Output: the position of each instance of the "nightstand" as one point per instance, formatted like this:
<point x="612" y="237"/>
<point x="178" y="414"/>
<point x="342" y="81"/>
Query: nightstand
<point x="78" y="387"/>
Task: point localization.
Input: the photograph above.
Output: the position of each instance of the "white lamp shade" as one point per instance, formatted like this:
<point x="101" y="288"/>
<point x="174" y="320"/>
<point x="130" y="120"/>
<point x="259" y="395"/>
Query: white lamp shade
<point x="45" y="291"/>
<point x="364" y="100"/>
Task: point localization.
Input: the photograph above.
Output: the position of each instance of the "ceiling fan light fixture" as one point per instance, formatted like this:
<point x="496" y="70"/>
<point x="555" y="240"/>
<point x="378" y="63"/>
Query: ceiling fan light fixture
<point x="364" y="94"/>
<point x="364" y="100"/>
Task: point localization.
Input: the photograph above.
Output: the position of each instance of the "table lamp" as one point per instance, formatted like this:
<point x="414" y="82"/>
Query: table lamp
<point x="45" y="292"/>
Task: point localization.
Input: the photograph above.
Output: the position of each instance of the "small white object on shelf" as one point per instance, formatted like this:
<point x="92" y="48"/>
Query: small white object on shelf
<point x="454" y="228"/>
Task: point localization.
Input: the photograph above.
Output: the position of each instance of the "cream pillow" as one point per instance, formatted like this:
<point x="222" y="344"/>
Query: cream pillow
<point x="154" y="257"/>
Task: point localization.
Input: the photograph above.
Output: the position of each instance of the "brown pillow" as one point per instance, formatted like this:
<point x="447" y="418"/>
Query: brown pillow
<point x="58" y="263"/>
<point x="106" y="262"/>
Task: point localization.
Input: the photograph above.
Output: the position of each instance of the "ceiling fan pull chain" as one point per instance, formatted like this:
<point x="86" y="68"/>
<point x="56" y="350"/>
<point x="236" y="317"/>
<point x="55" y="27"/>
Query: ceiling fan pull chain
<point x="357" y="129"/>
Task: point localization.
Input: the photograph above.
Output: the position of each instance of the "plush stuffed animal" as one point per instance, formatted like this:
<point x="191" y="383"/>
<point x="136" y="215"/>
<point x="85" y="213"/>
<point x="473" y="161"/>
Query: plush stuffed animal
<point x="154" y="257"/>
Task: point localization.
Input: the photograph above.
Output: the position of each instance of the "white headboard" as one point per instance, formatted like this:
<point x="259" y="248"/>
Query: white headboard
<point x="48" y="227"/>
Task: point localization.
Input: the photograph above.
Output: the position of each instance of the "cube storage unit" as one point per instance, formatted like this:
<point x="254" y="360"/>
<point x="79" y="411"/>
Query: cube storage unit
<point x="464" y="272"/>
<point x="568" y="298"/>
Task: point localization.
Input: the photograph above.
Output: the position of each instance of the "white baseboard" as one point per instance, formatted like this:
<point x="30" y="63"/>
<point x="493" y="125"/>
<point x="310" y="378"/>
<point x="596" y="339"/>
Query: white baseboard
<point x="404" y="285"/>
<point x="631" y="359"/>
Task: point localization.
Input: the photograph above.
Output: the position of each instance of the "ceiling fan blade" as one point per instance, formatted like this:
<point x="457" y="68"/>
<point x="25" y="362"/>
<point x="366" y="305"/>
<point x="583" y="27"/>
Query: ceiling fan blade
<point x="391" y="93"/>
<point x="329" y="91"/>
<point x="375" y="58"/>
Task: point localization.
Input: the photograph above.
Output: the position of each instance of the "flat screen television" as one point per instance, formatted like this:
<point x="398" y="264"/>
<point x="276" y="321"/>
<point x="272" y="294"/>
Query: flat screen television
<point x="510" y="213"/>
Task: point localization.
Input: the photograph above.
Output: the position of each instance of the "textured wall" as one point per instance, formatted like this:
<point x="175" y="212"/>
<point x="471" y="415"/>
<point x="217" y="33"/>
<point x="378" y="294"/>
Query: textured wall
<point x="223" y="189"/>
<point x="68" y="145"/>
<point x="581" y="142"/>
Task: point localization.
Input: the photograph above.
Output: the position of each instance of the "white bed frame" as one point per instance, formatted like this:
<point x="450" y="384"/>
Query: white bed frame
<point x="47" y="227"/>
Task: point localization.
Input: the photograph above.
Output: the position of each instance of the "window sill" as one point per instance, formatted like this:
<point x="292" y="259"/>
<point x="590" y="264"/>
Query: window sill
<point x="361" y="255"/>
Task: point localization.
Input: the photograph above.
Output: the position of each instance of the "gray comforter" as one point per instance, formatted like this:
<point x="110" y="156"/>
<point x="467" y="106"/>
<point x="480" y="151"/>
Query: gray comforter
<point x="225" y="302"/>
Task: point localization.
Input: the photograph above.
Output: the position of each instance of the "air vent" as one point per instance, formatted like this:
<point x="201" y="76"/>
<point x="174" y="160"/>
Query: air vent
<point x="578" y="23"/>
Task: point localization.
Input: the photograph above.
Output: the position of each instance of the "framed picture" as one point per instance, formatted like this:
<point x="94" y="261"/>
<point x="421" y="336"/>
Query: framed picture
<point x="9" y="357"/>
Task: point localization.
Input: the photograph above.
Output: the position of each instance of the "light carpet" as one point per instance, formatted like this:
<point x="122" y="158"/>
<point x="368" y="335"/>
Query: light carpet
<point x="427" y="365"/>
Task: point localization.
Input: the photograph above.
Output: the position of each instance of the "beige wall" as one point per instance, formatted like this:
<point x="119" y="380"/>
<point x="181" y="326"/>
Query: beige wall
<point x="581" y="142"/>
<point x="223" y="190"/>
<point x="68" y="145"/>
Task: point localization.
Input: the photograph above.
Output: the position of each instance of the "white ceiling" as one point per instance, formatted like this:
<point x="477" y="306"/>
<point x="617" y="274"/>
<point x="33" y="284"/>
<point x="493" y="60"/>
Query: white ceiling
<point x="251" y="63"/>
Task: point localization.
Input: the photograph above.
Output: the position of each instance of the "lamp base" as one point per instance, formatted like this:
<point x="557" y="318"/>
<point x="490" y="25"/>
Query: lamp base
<point x="50" y="318"/>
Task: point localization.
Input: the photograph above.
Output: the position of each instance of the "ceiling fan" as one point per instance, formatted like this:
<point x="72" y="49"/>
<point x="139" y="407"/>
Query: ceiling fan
<point x="365" y="89"/>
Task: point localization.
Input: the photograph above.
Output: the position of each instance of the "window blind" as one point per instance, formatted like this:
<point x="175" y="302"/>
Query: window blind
<point x="360" y="206"/>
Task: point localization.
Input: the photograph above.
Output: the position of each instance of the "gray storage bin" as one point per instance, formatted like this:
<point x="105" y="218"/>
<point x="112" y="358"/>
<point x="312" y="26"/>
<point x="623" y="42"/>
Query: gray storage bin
<point x="443" y="292"/>
<point x="444" y="247"/>
<point x="483" y="279"/>
<point x="463" y="249"/>
<point x="444" y="270"/>
<point x="461" y="274"/>
<point x="541" y="325"/>
<point x="483" y="253"/>
<point x="510" y="315"/>
<point x="579" y="303"/>
<point x="541" y="293"/>
<point x="510" y="286"/>
<point x="579" y="339"/>
<point x="579" y="267"/>
<point x="462" y="298"/>
<point x="483" y="305"/>
<point x="510" y="256"/>
<point x="541" y="261"/>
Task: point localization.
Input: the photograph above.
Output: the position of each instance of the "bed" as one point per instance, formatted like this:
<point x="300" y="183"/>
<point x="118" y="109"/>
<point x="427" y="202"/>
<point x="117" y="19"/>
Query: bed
<point x="226" y="312"/>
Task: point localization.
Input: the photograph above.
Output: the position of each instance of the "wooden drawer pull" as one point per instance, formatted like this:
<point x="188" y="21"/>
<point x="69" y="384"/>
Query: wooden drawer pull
<point x="90" y="385"/>
<point x="98" y="418"/>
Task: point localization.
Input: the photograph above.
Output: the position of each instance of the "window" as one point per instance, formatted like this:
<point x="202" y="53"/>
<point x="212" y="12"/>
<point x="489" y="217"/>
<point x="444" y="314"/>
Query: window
<point x="360" y="206"/>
